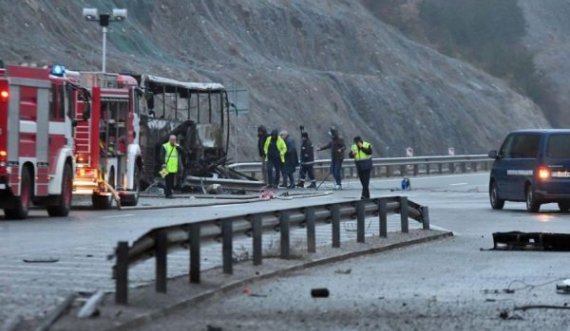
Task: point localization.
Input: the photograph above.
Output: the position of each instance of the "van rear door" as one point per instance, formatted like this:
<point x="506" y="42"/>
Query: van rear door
<point x="557" y="158"/>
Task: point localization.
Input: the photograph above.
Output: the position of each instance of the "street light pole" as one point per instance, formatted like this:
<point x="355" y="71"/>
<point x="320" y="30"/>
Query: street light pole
<point x="104" y="59"/>
<point x="117" y="15"/>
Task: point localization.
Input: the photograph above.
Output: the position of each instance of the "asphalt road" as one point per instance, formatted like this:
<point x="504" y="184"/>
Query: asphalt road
<point x="455" y="284"/>
<point x="79" y="245"/>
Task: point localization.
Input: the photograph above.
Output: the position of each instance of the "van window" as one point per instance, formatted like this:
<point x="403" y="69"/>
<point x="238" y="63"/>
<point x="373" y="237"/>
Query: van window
<point x="558" y="146"/>
<point x="522" y="146"/>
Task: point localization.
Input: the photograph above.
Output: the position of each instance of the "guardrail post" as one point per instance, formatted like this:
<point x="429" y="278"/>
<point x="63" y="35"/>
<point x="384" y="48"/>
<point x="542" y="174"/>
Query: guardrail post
<point x="416" y="169"/>
<point x="474" y="166"/>
<point x="227" y="249"/>
<point x="440" y="167"/>
<point x="284" y="229"/>
<point x="403" y="171"/>
<point x="311" y="233"/>
<point x="425" y="217"/>
<point x="257" y="239"/>
<point x="122" y="273"/>
<point x="404" y="214"/>
<point x="389" y="171"/>
<point x="383" y="216"/>
<point x="360" y="221"/>
<point x="335" y="220"/>
<point x="194" y="238"/>
<point x="161" y="251"/>
<point x="463" y="167"/>
<point x="452" y="167"/>
<point x="428" y="168"/>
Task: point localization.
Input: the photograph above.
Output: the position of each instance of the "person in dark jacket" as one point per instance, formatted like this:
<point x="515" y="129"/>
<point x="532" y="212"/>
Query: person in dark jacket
<point x="274" y="149"/>
<point x="291" y="160"/>
<point x="261" y="138"/>
<point x="307" y="159"/>
<point x="337" y="148"/>
<point x="361" y="152"/>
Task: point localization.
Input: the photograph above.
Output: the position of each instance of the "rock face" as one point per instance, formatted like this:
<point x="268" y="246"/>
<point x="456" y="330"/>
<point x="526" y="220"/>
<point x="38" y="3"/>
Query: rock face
<point x="548" y="38"/>
<point x="313" y="63"/>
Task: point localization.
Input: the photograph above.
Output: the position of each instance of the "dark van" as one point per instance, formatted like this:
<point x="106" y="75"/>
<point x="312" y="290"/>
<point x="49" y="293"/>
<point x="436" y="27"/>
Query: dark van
<point x="532" y="166"/>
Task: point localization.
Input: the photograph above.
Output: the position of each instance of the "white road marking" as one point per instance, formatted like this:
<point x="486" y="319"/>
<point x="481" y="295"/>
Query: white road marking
<point x="228" y="204"/>
<point x="118" y="216"/>
<point x="439" y="228"/>
<point x="458" y="184"/>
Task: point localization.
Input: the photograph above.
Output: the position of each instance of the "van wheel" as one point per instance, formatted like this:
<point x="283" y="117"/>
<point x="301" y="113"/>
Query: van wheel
<point x="532" y="205"/>
<point x="61" y="209"/>
<point x="496" y="203"/>
<point x="564" y="206"/>
<point x="22" y="203"/>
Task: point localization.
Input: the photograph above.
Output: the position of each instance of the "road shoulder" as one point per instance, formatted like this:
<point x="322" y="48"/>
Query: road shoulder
<point x="145" y="305"/>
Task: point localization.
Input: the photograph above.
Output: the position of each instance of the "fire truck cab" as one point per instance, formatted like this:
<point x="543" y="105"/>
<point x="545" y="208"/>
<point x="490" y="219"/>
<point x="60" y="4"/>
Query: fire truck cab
<point x="107" y="148"/>
<point x="37" y="117"/>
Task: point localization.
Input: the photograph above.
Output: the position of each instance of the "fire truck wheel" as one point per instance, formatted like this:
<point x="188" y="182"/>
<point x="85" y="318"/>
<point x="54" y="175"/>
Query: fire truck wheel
<point x="22" y="204"/>
<point x="101" y="201"/>
<point x="61" y="209"/>
<point x="104" y="201"/>
<point x="132" y="198"/>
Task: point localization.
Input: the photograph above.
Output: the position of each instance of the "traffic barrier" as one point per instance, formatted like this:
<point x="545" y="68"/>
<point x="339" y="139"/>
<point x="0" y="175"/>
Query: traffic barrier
<point x="159" y="241"/>
<point x="390" y="167"/>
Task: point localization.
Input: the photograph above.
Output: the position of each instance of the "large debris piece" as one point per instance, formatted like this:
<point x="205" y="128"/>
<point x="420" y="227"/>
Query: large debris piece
<point x="516" y="240"/>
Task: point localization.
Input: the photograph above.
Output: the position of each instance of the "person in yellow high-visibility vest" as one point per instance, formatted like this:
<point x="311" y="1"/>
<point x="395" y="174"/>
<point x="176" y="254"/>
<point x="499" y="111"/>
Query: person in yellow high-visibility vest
<point x="169" y="155"/>
<point x="361" y="152"/>
<point x="275" y="150"/>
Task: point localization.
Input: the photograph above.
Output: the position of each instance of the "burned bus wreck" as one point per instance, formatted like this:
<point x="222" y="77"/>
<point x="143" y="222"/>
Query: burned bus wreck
<point x="198" y="114"/>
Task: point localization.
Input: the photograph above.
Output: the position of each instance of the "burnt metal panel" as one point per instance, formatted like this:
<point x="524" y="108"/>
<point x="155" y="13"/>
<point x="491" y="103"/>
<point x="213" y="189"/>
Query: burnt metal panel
<point x="541" y="241"/>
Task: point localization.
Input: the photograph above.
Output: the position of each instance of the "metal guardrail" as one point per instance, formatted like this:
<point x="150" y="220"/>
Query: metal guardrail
<point x="393" y="166"/>
<point x="157" y="242"/>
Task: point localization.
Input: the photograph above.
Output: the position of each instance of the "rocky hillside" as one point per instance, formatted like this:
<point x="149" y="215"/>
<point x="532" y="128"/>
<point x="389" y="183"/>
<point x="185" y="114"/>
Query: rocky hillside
<point x="316" y="63"/>
<point x="548" y="38"/>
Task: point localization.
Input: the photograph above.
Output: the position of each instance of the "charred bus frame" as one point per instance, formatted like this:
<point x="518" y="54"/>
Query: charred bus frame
<point x="196" y="112"/>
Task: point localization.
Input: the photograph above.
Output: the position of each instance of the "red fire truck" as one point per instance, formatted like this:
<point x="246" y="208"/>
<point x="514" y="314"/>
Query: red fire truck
<point x="37" y="117"/>
<point x="107" y="148"/>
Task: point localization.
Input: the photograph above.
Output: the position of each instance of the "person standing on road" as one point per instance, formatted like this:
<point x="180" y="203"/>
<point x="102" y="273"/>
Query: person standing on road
<point x="274" y="149"/>
<point x="291" y="160"/>
<point x="261" y="138"/>
<point x="337" y="148"/>
<point x="361" y="152"/>
<point x="307" y="159"/>
<point x="169" y="155"/>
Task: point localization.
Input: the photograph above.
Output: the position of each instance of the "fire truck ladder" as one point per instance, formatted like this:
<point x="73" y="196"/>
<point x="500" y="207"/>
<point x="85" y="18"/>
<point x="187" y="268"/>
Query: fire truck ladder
<point x="83" y="142"/>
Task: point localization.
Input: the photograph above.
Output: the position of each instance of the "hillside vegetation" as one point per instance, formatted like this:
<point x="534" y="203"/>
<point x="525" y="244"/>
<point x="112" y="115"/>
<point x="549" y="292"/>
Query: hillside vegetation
<point x="316" y="63"/>
<point x="522" y="42"/>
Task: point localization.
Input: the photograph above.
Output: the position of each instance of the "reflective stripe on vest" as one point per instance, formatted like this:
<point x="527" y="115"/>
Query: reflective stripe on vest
<point x="358" y="154"/>
<point x="172" y="162"/>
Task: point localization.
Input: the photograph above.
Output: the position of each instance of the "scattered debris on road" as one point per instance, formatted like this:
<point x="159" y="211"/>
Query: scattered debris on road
<point x="91" y="307"/>
<point x="563" y="287"/>
<point x="344" y="271"/>
<point x="41" y="260"/>
<point x="540" y="241"/>
<point x="320" y="292"/>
